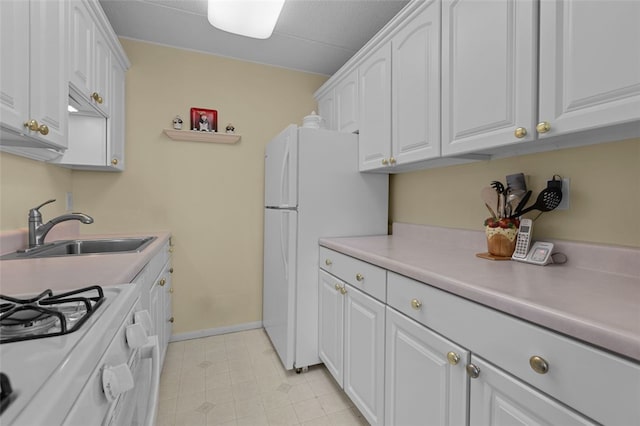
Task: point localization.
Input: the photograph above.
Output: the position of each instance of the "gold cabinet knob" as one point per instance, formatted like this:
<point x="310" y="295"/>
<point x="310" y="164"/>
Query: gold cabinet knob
<point x="32" y="125"/>
<point x="385" y="162"/>
<point x="343" y="290"/>
<point x="538" y="364"/>
<point x="96" y="97"/>
<point x="359" y="277"/>
<point x="171" y="270"/>
<point x="171" y="290"/>
<point x="337" y="286"/>
<point x="114" y="161"/>
<point x="472" y="371"/>
<point x="416" y="304"/>
<point x="453" y="358"/>
<point x="520" y="132"/>
<point x="171" y="320"/>
<point x="543" y="127"/>
<point x="162" y="282"/>
<point x="328" y="262"/>
<point x="43" y="129"/>
<point x="392" y="161"/>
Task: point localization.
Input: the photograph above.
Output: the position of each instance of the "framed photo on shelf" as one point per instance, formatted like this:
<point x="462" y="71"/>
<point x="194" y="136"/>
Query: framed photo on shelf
<point x="204" y="120"/>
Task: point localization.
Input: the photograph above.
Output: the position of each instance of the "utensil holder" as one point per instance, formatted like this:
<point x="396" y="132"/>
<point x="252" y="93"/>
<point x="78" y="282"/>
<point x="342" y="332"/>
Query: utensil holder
<point x="500" y="241"/>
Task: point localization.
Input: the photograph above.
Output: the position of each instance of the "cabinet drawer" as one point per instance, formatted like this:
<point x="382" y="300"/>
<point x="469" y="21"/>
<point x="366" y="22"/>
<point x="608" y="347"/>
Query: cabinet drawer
<point x="361" y="275"/>
<point x="579" y="375"/>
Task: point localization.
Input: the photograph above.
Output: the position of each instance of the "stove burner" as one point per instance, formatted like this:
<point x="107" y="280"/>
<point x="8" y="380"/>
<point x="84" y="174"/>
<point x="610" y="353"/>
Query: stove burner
<point x="47" y="315"/>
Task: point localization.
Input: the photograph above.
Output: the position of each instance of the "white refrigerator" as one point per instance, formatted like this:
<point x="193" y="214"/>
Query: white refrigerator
<point x="312" y="189"/>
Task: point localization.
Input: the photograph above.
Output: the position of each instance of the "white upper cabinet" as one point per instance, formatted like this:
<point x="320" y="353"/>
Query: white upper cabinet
<point x="90" y="57"/>
<point x="488" y="73"/>
<point x="415" y="105"/>
<point x="346" y="104"/>
<point x="326" y="109"/>
<point x="589" y="72"/>
<point x="375" y="109"/>
<point x="589" y="64"/>
<point x="33" y="83"/>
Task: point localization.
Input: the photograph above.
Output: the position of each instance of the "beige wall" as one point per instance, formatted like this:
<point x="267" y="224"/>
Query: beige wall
<point x="604" y="193"/>
<point x="210" y="196"/>
<point x="25" y="184"/>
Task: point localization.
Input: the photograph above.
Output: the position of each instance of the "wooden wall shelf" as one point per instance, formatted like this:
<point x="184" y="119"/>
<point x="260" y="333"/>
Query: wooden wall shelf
<point x="195" y="136"/>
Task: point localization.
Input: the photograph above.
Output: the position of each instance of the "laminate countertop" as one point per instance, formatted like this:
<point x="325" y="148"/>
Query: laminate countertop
<point x="28" y="276"/>
<point x="594" y="297"/>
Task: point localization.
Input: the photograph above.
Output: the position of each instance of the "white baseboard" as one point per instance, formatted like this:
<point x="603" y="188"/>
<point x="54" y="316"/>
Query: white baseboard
<point x="215" y="331"/>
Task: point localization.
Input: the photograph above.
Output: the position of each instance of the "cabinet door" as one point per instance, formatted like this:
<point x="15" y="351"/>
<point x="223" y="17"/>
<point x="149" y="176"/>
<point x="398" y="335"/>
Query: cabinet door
<point x="102" y="73"/>
<point x="326" y="109"/>
<point x="375" y="109"/>
<point x="422" y="386"/>
<point x="14" y="61"/>
<point x="330" y="324"/>
<point x="488" y="73"/>
<point x="166" y="315"/>
<point x="116" y="132"/>
<point x="346" y="104"/>
<point x="364" y="354"/>
<point x="416" y="87"/>
<point x="589" y="64"/>
<point x="81" y="48"/>
<point x="49" y="83"/>
<point x="498" y="398"/>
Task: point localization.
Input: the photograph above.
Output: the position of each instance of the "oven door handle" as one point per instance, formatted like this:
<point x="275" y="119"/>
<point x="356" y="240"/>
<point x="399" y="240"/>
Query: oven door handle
<point x="152" y="350"/>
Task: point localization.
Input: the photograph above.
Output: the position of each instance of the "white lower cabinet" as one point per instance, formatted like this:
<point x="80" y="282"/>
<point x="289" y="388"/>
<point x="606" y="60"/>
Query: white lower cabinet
<point x="498" y="398"/>
<point x="425" y="377"/>
<point x="352" y="344"/>
<point x="439" y="359"/>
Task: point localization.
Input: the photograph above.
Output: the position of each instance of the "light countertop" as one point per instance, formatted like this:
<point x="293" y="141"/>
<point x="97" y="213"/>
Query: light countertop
<point x="594" y="297"/>
<point x="27" y="276"/>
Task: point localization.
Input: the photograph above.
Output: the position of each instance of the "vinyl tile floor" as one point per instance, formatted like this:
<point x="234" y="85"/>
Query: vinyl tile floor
<point x="238" y="379"/>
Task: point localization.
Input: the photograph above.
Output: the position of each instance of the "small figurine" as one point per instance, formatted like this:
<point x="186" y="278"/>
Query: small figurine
<point x="177" y="123"/>
<point x="230" y="128"/>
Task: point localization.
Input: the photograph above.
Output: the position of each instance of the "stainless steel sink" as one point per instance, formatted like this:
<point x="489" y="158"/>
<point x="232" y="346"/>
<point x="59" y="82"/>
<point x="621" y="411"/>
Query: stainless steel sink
<point x="83" y="247"/>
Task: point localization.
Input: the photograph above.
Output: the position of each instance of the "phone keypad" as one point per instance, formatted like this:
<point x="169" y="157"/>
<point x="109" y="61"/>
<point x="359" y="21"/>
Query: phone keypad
<point x="522" y="245"/>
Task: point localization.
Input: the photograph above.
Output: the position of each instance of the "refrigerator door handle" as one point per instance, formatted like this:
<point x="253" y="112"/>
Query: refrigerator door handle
<point x="284" y="240"/>
<point x="284" y="178"/>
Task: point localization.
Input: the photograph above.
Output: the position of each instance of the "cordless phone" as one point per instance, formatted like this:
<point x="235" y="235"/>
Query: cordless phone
<point x="523" y="239"/>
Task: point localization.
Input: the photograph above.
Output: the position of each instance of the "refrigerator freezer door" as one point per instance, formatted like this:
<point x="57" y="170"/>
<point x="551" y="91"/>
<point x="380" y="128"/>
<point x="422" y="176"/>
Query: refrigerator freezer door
<point x="281" y="170"/>
<point x="278" y="310"/>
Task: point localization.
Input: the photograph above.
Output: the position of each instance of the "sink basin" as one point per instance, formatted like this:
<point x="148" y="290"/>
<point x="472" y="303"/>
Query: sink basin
<point x="83" y="247"/>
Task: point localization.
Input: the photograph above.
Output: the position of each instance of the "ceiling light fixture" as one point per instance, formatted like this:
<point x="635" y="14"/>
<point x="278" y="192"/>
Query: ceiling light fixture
<point x="250" y="18"/>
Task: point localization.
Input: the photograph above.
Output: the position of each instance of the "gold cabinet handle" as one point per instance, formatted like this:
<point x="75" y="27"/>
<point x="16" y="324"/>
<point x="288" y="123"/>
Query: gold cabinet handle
<point x="385" y="162"/>
<point x="328" y="262"/>
<point x="337" y="286"/>
<point x="472" y="371"/>
<point x="543" y="127"/>
<point x="171" y="290"/>
<point x="171" y="320"/>
<point x="114" y="161"/>
<point x="416" y="304"/>
<point x="453" y="358"/>
<point x="162" y="282"/>
<point x="96" y="97"/>
<point x="343" y="290"/>
<point x="171" y="270"/>
<point x="392" y="161"/>
<point x="43" y="129"/>
<point x="539" y="364"/>
<point x="32" y="125"/>
<point x="520" y="132"/>
<point x="359" y="277"/>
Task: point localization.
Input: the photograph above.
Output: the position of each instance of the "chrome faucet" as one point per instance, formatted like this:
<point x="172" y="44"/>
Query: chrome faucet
<point x="38" y="231"/>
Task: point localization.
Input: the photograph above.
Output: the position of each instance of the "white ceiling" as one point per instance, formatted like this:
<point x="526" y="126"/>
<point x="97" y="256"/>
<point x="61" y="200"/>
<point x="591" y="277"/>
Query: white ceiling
<point x="316" y="36"/>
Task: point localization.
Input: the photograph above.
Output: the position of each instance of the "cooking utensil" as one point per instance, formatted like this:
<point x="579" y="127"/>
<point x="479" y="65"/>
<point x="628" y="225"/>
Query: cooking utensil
<point x="523" y="201"/>
<point x="500" y="190"/>
<point x="490" y="198"/>
<point x="548" y="199"/>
